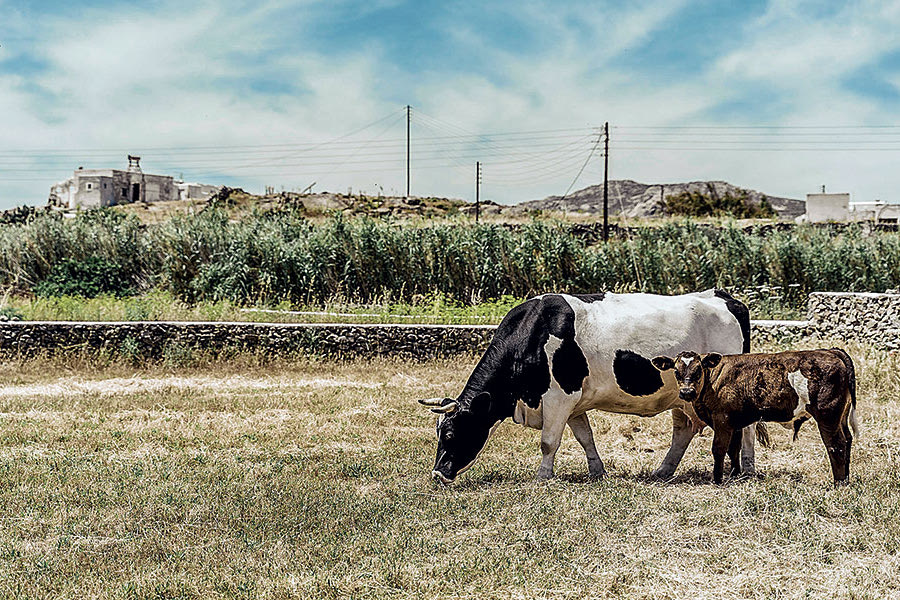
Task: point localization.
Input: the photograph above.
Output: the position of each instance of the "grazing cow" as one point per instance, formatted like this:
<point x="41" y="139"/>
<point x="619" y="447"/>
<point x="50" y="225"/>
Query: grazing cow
<point x="730" y="392"/>
<point x="556" y="356"/>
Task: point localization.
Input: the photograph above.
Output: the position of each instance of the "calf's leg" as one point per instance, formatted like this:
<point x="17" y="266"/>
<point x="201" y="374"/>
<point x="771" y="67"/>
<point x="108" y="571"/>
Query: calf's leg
<point x="838" y="446"/>
<point x="682" y="434"/>
<point x="734" y="451"/>
<point x="581" y="428"/>
<point x="721" y="442"/>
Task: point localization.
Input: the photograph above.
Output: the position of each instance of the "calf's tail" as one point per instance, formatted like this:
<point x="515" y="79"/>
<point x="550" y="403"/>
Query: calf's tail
<point x="848" y="362"/>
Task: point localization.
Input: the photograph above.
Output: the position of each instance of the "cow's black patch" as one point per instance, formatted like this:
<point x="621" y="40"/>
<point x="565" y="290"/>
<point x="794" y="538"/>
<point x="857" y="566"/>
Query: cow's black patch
<point x="515" y="365"/>
<point x="588" y="298"/>
<point x="635" y="374"/>
<point x="569" y="364"/>
<point x="741" y="313"/>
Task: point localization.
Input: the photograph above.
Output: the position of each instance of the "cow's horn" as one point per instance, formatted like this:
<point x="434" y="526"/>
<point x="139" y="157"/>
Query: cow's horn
<point x="447" y="408"/>
<point x="431" y="401"/>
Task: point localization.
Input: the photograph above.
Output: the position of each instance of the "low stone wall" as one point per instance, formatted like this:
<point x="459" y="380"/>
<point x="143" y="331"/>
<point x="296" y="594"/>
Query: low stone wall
<point x="869" y="318"/>
<point x="156" y="339"/>
<point x="859" y="317"/>
<point x="780" y="332"/>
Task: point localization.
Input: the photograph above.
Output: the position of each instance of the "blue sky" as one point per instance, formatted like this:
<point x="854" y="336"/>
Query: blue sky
<point x="777" y="96"/>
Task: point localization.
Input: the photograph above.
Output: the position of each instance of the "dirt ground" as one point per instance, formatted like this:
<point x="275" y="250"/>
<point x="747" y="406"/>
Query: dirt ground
<point x="311" y="479"/>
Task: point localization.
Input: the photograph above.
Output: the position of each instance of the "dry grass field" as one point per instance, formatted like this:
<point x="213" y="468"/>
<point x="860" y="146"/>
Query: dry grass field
<point x="310" y="480"/>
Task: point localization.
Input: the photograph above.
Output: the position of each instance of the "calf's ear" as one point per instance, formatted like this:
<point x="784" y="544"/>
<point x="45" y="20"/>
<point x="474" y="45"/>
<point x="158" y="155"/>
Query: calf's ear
<point x="663" y="363"/>
<point x="711" y="360"/>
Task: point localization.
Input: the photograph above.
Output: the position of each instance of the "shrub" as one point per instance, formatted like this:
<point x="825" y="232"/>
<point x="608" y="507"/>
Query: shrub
<point x="698" y="204"/>
<point x="88" y="278"/>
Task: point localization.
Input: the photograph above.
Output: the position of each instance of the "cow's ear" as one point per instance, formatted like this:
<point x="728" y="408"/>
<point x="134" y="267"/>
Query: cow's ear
<point x="711" y="360"/>
<point x="481" y="404"/>
<point x="663" y="363"/>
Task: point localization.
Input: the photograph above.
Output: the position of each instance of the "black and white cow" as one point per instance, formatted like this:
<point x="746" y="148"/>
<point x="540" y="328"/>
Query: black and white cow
<point x="556" y="356"/>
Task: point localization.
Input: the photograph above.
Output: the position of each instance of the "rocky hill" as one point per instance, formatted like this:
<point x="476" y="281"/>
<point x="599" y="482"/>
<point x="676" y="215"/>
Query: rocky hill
<point x="633" y="199"/>
<point x="641" y="200"/>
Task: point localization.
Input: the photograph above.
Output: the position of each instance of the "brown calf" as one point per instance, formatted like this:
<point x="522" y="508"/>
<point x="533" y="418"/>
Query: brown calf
<point x="731" y="392"/>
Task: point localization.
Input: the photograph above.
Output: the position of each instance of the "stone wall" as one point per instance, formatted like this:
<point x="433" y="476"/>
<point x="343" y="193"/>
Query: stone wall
<point x="155" y="339"/>
<point x="870" y="318"/>
<point x="780" y="332"/>
<point x="858" y="317"/>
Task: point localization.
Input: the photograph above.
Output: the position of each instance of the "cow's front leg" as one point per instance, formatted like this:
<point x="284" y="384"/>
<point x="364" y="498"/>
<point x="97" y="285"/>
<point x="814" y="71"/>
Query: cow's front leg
<point x="682" y="434"/>
<point x="581" y="428"/>
<point x="556" y="414"/>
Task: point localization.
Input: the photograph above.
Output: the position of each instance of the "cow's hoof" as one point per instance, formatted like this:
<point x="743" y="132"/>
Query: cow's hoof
<point x="596" y="470"/>
<point x="544" y="474"/>
<point x="662" y="474"/>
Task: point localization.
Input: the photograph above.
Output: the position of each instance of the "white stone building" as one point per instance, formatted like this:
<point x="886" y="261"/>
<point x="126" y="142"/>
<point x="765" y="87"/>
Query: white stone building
<point x="821" y="208"/>
<point x="91" y="188"/>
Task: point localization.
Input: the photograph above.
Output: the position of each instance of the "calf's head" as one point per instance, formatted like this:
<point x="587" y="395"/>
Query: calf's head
<point x="462" y="431"/>
<point x="691" y="371"/>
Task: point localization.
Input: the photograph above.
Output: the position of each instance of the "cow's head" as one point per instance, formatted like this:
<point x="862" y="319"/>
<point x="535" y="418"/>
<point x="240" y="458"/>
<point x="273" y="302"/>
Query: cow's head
<point x="462" y="431"/>
<point x="691" y="371"/>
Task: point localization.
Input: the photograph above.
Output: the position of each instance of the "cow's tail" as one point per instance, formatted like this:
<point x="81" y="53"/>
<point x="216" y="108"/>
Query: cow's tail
<point x="762" y="433"/>
<point x="848" y="362"/>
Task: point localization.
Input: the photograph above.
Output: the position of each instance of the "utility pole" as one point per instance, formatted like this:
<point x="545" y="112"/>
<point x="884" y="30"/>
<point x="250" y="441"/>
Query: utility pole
<point x="408" y="119"/>
<point x="606" y="182"/>
<point x="477" y="190"/>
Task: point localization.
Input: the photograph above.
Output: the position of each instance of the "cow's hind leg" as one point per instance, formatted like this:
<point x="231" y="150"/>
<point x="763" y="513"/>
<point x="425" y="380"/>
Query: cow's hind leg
<point x="748" y="449"/>
<point x="682" y="434"/>
<point x="581" y="427"/>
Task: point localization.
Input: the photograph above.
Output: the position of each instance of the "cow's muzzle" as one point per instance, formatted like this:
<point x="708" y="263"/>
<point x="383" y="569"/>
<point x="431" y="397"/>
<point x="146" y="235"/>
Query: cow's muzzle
<point x="441" y="478"/>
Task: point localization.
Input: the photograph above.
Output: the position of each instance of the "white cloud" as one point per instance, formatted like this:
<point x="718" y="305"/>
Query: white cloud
<point x="142" y="80"/>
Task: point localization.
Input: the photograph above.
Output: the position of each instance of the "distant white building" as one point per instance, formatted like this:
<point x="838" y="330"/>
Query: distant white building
<point x="878" y="211"/>
<point x="91" y="188"/>
<point x="821" y="208"/>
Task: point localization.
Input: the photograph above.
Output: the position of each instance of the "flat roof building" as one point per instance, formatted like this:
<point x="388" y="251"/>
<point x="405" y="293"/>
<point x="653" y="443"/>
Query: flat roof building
<point x="92" y="188"/>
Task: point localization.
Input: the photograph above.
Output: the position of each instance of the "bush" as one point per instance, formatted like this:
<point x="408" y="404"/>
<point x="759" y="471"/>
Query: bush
<point x="88" y="278"/>
<point x="698" y="204"/>
<point x="273" y="258"/>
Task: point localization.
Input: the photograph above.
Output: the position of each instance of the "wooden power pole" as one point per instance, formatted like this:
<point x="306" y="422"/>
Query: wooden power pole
<point x="408" y="118"/>
<point x="606" y="182"/>
<point x="477" y="190"/>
